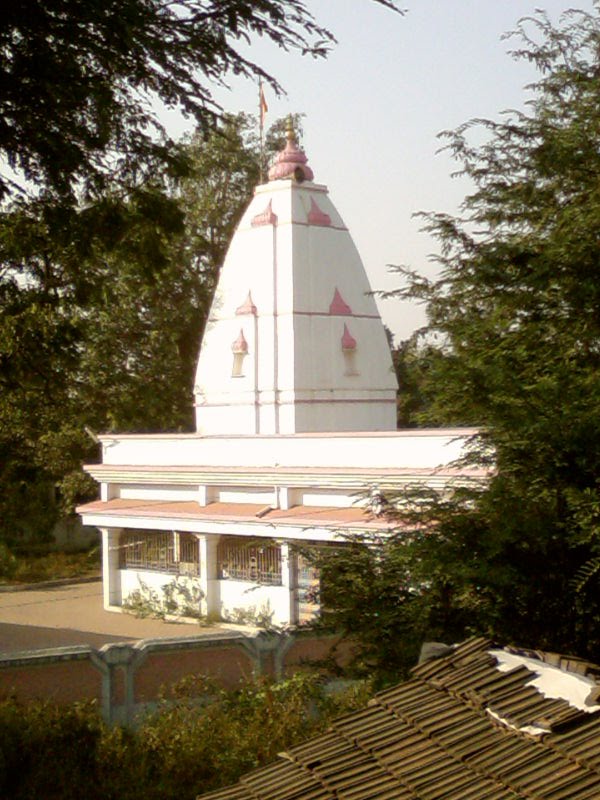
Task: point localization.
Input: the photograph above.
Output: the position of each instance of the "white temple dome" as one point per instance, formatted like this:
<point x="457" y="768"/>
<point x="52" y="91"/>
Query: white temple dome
<point x="293" y="289"/>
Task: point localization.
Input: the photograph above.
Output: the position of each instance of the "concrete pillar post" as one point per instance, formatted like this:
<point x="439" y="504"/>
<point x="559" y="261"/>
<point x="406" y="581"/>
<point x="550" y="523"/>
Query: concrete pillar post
<point x="203" y="495"/>
<point x="118" y="664"/>
<point x="288" y="579"/>
<point x="283" y="497"/>
<point x="209" y="604"/>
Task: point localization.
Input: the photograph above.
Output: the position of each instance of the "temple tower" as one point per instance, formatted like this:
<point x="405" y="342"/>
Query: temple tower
<point x="294" y="342"/>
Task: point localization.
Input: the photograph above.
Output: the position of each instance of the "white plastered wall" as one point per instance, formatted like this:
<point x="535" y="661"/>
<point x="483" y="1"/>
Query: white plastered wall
<point x="145" y="583"/>
<point x="255" y="600"/>
<point x="295" y="375"/>
<point x="417" y="449"/>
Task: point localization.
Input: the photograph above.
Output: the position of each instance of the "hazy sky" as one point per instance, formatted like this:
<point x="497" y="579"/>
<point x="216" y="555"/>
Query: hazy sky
<point x="375" y="106"/>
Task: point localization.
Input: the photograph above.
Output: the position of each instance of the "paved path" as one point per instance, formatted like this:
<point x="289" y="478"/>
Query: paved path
<point x="67" y="615"/>
<point x="21" y="638"/>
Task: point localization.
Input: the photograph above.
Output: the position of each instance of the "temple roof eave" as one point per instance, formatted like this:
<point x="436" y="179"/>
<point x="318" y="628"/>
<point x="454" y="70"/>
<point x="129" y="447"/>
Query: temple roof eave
<point x="350" y="478"/>
<point x="284" y="184"/>
<point x="395" y="434"/>
<point x="298" y="522"/>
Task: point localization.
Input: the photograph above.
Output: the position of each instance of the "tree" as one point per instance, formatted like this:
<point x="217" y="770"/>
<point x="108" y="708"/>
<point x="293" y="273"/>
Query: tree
<point x="415" y="362"/>
<point x="109" y="62"/>
<point x="81" y="81"/>
<point x="146" y="324"/>
<point x="517" y="312"/>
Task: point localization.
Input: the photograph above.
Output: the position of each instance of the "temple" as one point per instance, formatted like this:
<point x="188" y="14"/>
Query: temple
<point x="295" y="402"/>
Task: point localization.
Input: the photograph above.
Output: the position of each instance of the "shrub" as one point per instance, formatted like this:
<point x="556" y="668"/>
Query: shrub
<point x="8" y="562"/>
<point x="185" y="748"/>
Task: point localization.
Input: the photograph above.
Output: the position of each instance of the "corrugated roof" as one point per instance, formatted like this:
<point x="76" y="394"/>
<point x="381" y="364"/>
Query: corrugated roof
<point x="458" y="730"/>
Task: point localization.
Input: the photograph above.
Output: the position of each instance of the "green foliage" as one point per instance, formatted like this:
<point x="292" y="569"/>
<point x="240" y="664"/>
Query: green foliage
<point x="183" y="749"/>
<point x="515" y="314"/>
<point x="226" y="165"/>
<point x="366" y="593"/>
<point x="417" y="364"/>
<point x="102" y="311"/>
<point x="48" y="750"/>
<point x="237" y="731"/>
<point x="261" y="617"/>
<point x="518" y="304"/>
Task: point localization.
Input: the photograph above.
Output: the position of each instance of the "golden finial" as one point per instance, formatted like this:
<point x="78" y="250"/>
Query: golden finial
<point x="290" y="134"/>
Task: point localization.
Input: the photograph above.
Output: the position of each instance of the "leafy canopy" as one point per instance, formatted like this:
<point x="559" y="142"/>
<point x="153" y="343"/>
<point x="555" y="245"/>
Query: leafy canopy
<point x="81" y="82"/>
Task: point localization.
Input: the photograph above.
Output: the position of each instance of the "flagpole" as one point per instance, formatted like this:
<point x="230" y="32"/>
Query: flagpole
<point x="262" y="110"/>
<point x="260" y="128"/>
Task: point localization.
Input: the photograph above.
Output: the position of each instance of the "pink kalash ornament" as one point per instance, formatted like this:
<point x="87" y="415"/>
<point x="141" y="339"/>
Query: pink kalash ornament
<point x="291" y="162"/>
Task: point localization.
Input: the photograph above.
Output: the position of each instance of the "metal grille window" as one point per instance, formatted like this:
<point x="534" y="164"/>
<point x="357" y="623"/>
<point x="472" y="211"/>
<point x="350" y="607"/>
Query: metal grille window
<point x="172" y="552"/>
<point x="243" y="560"/>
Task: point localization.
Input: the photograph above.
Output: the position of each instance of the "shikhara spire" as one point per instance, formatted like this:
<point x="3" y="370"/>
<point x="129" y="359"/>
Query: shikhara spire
<point x="312" y="354"/>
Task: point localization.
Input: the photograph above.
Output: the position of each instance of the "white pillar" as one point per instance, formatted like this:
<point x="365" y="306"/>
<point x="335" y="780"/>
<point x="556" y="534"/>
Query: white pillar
<point x="283" y="497"/>
<point x="208" y="574"/>
<point x="203" y="495"/>
<point x="108" y="491"/>
<point x="288" y="579"/>
<point x="111" y="578"/>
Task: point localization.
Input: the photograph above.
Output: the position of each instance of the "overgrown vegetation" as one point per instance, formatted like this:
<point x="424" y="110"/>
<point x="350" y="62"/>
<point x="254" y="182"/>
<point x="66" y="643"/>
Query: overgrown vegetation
<point x="178" y="752"/>
<point x="416" y="363"/>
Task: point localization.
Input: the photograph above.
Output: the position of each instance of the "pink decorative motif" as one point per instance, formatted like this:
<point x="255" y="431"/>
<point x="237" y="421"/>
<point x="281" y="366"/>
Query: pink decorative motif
<point x="338" y="306"/>
<point x="291" y="162"/>
<point x="247" y="307"/>
<point x="240" y="345"/>
<point x="316" y="216"/>
<point x="266" y="217"/>
<point x="348" y="341"/>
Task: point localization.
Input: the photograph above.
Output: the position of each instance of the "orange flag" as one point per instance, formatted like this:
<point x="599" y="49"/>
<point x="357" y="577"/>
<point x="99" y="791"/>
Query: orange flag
<point x="262" y="105"/>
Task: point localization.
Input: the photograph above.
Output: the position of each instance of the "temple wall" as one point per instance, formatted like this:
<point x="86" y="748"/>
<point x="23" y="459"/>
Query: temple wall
<point x="239" y="597"/>
<point x="232" y="600"/>
<point x="124" y="678"/>
<point x="420" y="449"/>
<point x="150" y="585"/>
